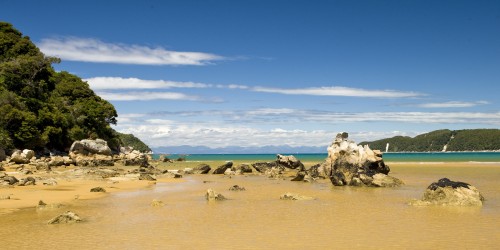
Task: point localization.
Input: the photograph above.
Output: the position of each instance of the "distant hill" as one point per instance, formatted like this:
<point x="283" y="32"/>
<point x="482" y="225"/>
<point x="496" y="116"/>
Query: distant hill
<point x="131" y="141"/>
<point x="238" y="150"/>
<point x="454" y="140"/>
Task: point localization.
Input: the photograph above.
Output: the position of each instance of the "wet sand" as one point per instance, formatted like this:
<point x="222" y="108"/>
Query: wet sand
<point x="338" y="218"/>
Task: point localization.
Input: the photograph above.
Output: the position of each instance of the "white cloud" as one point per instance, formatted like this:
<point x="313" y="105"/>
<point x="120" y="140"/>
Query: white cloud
<point x="94" y="50"/>
<point x="146" y="96"/>
<point x="452" y="104"/>
<point x="340" y="91"/>
<point x="97" y="83"/>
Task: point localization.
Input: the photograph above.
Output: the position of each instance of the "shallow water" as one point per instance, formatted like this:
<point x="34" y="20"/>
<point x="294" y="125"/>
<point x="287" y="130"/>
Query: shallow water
<point x="339" y="217"/>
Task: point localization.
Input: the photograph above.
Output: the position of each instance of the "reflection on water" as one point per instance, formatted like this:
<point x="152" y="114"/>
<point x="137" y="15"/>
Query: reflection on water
<point x="339" y="218"/>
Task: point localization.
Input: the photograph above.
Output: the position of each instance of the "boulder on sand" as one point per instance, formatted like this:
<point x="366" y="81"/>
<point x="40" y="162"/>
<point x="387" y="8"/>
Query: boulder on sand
<point x="21" y="157"/>
<point x="202" y="169"/>
<point x="223" y="168"/>
<point x="289" y="161"/>
<point x="67" y="217"/>
<point x="351" y="164"/>
<point x="450" y="193"/>
<point x="211" y="195"/>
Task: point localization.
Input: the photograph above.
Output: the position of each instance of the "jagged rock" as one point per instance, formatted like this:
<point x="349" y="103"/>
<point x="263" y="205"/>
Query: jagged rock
<point x="98" y="189"/>
<point x="262" y="167"/>
<point x="300" y="176"/>
<point x="222" y="169"/>
<point x="450" y="193"/>
<point x="10" y="180"/>
<point x="3" y="156"/>
<point x="146" y="177"/>
<point x="134" y="158"/>
<point x="236" y="188"/>
<point x="289" y="161"/>
<point x="27" y="181"/>
<point x="86" y="147"/>
<point x="242" y="168"/>
<point x="211" y="195"/>
<point x="164" y="158"/>
<point x="295" y="197"/>
<point x="229" y="172"/>
<point x="316" y="171"/>
<point x="202" y="169"/>
<point x="275" y="172"/>
<point x="350" y="164"/>
<point x="67" y="217"/>
<point x="157" y="203"/>
<point x="20" y="157"/>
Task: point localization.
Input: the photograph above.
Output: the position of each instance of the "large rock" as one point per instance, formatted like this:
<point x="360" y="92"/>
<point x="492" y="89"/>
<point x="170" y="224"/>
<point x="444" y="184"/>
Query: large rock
<point x="223" y="168"/>
<point x="202" y="169"/>
<point x="134" y="158"/>
<point x="351" y="164"/>
<point x="289" y="161"/>
<point x="85" y="147"/>
<point x="242" y="168"/>
<point x="262" y="167"/>
<point x="67" y="217"/>
<point x="92" y="160"/>
<point x="450" y="193"/>
<point x="21" y="157"/>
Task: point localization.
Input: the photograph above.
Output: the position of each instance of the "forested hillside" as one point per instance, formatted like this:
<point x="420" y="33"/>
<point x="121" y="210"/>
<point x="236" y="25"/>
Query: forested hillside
<point x="455" y="140"/>
<point x="41" y="108"/>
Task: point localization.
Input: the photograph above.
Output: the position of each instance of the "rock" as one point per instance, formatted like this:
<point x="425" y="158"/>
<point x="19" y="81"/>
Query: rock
<point x="164" y="158"/>
<point x="98" y="189"/>
<point x="27" y="181"/>
<point x="67" y="217"/>
<point x="223" y="168"/>
<point x="383" y="180"/>
<point x="275" y="172"/>
<point x="56" y="161"/>
<point x="316" y="171"/>
<point x="262" y="167"/>
<point x="450" y="193"/>
<point x="289" y="161"/>
<point x="1" y="167"/>
<point x="86" y="147"/>
<point x="242" y="168"/>
<point x="202" y="169"/>
<point x="11" y="180"/>
<point x="172" y="175"/>
<point x="300" y="176"/>
<point x="42" y="205"/>
<point x="4" y="197"/>
<point x="157" y="203"/>
<point x="20" y="157"/>
<point x="236" y="188"/>
<point x="3" y="156"/>
<point x="135" y="158"/>
<point x="49" y="182"/>
<point x="351" y="164"/>
<point x="92" y="160"/>
<point x="295" y="197"/>
<point x="146" y="177"/>
<point x="188" y="171"/>
<point x="211" y="195"/>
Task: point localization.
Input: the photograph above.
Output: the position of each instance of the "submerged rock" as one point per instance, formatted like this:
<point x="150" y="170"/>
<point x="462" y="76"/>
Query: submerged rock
<point x="450" y="193"/>
<point x="211" y="195"/>
<point x="67" y="217"/>
<point x="355" y="165"/>
<point x="236" y="188"/>
<point x="295" y="197"/>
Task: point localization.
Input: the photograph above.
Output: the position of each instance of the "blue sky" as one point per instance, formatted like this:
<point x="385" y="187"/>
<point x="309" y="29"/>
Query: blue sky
<point x="250" y="73"/>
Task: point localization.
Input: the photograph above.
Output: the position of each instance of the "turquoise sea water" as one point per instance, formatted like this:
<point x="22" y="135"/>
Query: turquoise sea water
<point x="388" y="157"/>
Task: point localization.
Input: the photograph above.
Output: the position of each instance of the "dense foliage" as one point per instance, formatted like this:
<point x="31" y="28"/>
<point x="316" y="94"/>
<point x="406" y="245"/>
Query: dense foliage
<point x="132" y="141"/>
<point x="456" y="140"/>
<point x="41" y="108"/>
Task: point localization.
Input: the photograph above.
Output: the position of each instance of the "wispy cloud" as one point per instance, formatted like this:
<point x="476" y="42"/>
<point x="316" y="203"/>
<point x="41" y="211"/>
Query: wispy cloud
<point x="97" y="83"/>
<point x="452" y="104"/>
<point x="147" y="96"/>
<point x="340" y="91"/>
<point x="94" y="50"/>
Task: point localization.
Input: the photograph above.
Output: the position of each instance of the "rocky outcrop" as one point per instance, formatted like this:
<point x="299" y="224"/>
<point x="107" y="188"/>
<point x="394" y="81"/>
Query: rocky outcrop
<point x="21" y="157"/>
<point x="289" y="161"/>
<point x="9" y="180"/>
<point x="242" y="168"/>
<point x="91" y="153"/>
<point x="223" y="168"/>
<point x="67" y="217"/>
<point x="262" y="167"/>
<point x="130" y="157"/>
<point x="351" y="164"/>
<point x="146" y="177"/>
<point x="86" y="147"/>
<point x="450" y="193"/>
<point x="211" y="195"/>
<point x="295" y="197"/>
<point x="27" y="181"/>
<point x="202" y="169"/>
